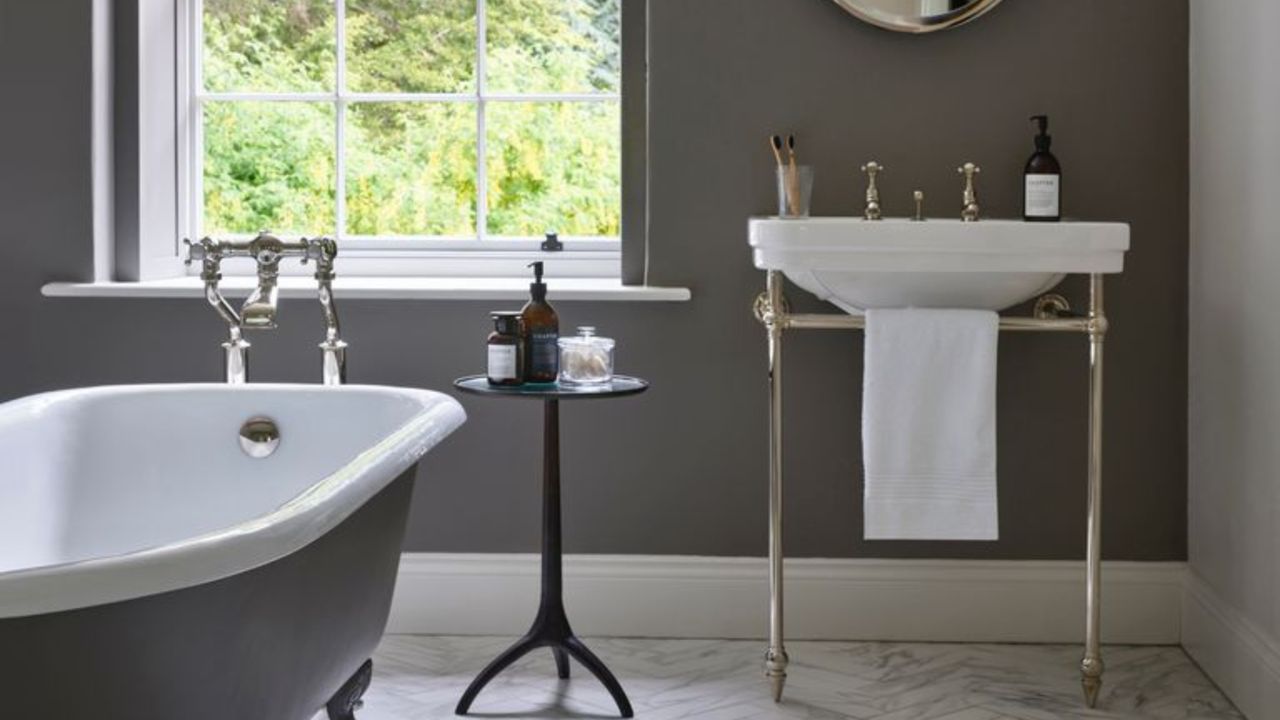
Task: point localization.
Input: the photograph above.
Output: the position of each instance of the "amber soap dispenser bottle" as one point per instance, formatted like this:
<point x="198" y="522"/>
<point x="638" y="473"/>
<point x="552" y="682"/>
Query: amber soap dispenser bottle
<point x="1042" y="195"/>
<point x="540" y="329"/>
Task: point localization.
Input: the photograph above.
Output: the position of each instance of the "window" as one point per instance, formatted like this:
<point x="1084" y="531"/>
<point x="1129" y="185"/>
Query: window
<point x="448" y="132"/>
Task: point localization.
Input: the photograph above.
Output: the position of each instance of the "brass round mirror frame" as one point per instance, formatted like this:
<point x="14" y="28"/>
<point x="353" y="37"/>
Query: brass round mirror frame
<point x="897" y="23"/>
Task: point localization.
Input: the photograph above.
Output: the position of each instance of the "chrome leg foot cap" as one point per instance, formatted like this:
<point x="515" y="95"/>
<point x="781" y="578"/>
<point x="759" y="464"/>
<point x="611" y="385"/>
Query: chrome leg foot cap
<point x="1092" y="686"/>
<point x="1091" y="669"/>
<point x="776" y="682"/>
<point x="775" y="668"/>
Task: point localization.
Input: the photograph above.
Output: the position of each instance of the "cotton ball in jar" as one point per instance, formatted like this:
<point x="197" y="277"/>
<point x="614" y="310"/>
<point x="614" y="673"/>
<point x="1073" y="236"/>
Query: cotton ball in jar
<point x="586" y="359"/>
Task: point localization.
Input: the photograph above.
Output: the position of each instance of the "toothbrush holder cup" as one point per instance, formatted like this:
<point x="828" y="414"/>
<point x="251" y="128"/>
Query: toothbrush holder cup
<point x="795" y="189"/>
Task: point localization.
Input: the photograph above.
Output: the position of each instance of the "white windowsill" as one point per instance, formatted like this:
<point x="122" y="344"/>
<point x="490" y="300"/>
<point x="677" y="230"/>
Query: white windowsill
<point x="382" y="288"/>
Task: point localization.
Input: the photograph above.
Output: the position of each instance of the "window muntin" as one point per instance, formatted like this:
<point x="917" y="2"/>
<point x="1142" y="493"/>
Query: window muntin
<point x="337" y="117"/>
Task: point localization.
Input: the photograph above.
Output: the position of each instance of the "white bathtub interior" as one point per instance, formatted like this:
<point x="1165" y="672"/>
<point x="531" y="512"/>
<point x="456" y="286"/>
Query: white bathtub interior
<point x="90" y="476"/>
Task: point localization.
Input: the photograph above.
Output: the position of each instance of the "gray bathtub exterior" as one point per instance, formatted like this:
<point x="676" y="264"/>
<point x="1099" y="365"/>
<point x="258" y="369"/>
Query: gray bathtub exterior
<point x="272" y="643"/>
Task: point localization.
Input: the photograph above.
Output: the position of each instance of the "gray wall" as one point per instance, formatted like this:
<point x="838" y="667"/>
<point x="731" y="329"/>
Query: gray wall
<point x="682" y="469"/>
<point x="1234" y="349"/>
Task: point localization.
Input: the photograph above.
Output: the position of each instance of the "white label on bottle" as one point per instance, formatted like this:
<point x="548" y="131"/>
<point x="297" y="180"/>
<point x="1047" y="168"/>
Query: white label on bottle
<point x="502" y="362"/>
<point x="1042" y="195"/>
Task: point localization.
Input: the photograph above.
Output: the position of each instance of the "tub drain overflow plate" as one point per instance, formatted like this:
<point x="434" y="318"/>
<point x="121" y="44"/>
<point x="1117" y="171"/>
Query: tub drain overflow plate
<point x="259" y="437"/>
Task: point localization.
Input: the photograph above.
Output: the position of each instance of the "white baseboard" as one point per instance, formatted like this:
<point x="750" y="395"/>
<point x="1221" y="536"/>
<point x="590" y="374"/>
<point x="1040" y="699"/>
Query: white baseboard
<point x="1238" y="655"/>
<point x="680" y="596"/>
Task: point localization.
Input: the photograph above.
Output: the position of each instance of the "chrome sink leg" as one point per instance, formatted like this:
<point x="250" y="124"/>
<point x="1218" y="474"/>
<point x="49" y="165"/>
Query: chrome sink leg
<point x="1091" y="666"/>
<point x="771" y="310"/>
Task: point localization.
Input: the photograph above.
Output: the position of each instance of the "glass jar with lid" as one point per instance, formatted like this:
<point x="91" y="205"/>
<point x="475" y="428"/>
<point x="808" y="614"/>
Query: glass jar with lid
<point x="586" y="358"/>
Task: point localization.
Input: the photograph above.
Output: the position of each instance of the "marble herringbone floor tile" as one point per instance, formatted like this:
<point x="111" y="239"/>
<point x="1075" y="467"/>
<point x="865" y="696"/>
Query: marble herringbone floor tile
<point x="421" y="678"/>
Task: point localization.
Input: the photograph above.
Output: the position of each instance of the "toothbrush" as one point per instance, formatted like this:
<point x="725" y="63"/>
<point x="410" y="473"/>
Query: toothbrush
<point x="793" y="177"/>
<point x="775" y="143"/>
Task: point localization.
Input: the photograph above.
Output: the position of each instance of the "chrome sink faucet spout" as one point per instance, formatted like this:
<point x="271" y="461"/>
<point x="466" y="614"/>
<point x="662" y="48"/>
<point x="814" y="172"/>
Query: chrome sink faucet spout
<point x="872" y="209"/>
<point x="969" y="210"/>
<point x="261" y="307"/>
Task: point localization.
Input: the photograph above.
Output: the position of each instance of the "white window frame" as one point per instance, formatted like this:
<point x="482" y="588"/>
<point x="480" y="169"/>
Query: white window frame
<point x="420" y="256"/>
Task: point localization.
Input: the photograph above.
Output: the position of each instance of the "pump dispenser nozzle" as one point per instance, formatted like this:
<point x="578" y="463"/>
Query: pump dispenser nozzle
<point x="537" y="289"/>
<point x="1043" y="139"/>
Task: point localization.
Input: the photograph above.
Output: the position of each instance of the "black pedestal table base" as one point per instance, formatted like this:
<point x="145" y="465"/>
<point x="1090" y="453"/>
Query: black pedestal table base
<point x="551" y="625"/>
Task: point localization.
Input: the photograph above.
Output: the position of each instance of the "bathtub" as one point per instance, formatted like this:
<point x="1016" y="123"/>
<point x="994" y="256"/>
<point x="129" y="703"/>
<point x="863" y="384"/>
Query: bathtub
<point x="151" y="568"/>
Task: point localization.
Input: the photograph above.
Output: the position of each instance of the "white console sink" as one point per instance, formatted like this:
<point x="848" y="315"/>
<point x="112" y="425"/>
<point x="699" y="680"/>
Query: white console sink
<point x="990" y="264"/>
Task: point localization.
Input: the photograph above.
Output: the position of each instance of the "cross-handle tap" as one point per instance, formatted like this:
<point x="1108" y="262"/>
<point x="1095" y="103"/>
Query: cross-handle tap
<point x="205" y="252"/>
<point x="969" y="210"/>
<point x="872" y="210"/>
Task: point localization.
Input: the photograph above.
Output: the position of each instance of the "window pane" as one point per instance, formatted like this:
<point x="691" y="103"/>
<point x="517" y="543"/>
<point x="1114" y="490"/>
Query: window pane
<point x="553" y="45"/>
<point x="411" y="45"/>
<point x="411" y="169"/>
<point x="554" y="166"/>
<point x="269" y="166"/>
<point x="269" y="45"/>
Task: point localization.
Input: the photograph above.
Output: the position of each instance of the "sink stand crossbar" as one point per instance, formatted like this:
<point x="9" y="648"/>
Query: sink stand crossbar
<point x="1052" y="314"/>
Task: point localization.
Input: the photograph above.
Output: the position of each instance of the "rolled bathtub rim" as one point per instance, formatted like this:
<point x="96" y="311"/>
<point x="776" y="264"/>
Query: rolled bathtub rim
<point x="237" y="548"/>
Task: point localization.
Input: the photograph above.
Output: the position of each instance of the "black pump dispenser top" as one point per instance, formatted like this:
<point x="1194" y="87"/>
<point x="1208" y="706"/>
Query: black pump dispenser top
<point x="537" y="289"/>
<point x="1043" y="140"/>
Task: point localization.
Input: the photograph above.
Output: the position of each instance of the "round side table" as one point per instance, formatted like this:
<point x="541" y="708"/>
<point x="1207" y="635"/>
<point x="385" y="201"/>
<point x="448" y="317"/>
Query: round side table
<point x="551" y="626"/>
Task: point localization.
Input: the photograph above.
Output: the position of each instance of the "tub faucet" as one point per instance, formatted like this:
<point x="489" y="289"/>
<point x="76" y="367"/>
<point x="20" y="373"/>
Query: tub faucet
<point x="260" y="308"/>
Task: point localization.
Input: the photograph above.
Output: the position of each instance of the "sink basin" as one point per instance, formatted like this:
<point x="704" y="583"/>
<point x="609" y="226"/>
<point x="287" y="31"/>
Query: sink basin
<point x="990" y="264"/>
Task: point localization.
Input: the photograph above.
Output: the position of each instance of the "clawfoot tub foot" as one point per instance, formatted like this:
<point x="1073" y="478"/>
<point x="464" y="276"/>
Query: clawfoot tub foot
<point x="345" y="702"/>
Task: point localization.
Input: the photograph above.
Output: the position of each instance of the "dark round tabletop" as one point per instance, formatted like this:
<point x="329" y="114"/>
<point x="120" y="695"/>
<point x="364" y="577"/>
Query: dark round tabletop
<point x="617" y="387"/>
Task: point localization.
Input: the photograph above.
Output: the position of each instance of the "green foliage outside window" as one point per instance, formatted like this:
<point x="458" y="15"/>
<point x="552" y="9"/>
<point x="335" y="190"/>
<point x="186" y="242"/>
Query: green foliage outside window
<point x="411" y="166"/>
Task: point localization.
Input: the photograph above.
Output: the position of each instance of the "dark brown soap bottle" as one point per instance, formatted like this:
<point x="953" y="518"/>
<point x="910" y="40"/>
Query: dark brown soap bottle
<point x="506" y="361"/>
<point x="1042" y="189"/>
<point x="540" y="330"/>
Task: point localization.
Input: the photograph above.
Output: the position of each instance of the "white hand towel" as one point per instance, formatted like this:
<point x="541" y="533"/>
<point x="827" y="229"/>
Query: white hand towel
<point x="929" y="425"/>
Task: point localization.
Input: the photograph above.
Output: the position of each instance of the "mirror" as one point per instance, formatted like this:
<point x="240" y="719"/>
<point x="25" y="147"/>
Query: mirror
<point x="917" y="16"/>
